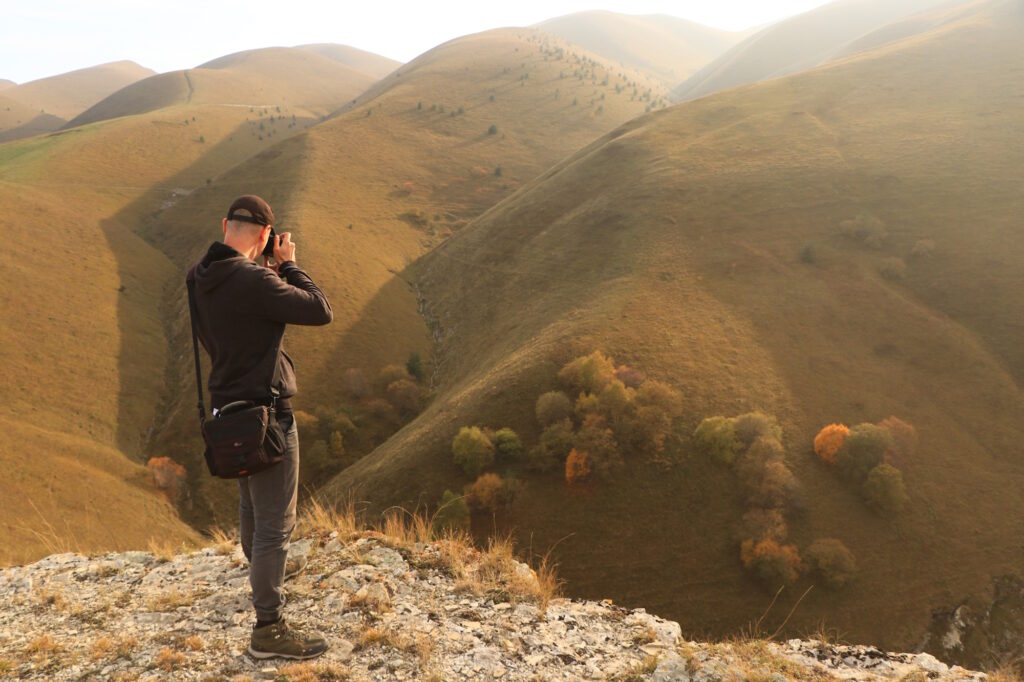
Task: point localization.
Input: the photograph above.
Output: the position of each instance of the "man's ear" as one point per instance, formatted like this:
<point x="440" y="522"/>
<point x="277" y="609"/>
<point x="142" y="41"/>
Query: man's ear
<point x="224" y="227"/>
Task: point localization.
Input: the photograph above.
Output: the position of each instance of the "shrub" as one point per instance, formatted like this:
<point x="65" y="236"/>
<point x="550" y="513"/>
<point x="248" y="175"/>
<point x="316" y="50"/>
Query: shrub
<point x="308" y="424"/>
<point x="392" y="373"/>
<point x="630" y="376"/>
<point x="829" y="440"/>
<point x="336" y="444"/>
<point x="554" y="446"/>
<point x="597" y="440"/>
<point x="765" y="524"/>
<point x="773" y="563"/>
<point x="167" y="475"/>
<point x="893" y="268"/>
<point x="616" y="401"/>
<point x="507" y="443"/>
<point x="830" y="560"/>
<point x="343" y="424"/>
<point x="452" y="513"/>
<point x="404" y="395"/>
<point x="587" y="404"/>
<point x="553" y="406"/>
<point x="662" y="396"/>
<point x="904" y="438"/>
<point x="355" y="383"/>
<point x="414" y="366"/>
<point x="589" y="373"/>
<point x="865" y="228"/>
<point x="862" y="450"/>
<point x="487" y="493"/>
<point x="650" y="427"/>
<point x="493" y="130"/>
<point x="773" y="487"/>
<point x="577" y="467"/>
<point x="750" y="466"/>
<point x="473" y="450"/>
<point x="809" y="254"/>
<point x="884" y="490"/>
<point x="716" y="437"/>
<point x="381" y="409"/>
<point x="753" y="425"/>
<point x="922" y="247"/>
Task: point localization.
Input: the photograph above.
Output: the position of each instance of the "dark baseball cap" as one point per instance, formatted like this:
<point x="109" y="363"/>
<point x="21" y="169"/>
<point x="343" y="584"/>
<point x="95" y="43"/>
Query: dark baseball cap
<point x="250" y="208"/>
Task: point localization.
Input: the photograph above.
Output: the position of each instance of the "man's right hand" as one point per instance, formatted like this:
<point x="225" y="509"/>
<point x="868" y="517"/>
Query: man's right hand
<point x="284" y="249"/>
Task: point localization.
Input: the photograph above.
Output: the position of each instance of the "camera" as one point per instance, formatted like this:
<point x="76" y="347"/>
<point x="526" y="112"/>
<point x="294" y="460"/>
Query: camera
<point x="268" y="250"/>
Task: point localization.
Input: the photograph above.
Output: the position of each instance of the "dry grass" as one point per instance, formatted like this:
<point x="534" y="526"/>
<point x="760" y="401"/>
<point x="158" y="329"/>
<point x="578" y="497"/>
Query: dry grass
<point x="108" y="647"/>
<point x="321" y="518"/>
<point x="170" y="600"/>
<point x="638" y="671"/>
<point x="311" y="672"/>
<point x="495" y="572"/>
<point x="1007" y="671"/>
<point x="45" y="652"/>
<point x="163" y="549"/>
<point x="168" y="660"/>
<point x="193" y="643"/>
<point x="421" y="645"/>
<point x="220" y="539"/>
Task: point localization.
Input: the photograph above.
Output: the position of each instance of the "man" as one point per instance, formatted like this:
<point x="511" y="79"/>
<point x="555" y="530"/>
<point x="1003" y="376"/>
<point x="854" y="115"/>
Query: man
<point x="242" y="308"/>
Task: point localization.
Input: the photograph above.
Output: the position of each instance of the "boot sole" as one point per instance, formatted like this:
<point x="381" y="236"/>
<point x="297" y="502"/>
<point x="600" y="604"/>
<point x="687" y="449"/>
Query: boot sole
<point x="270" y="654"/>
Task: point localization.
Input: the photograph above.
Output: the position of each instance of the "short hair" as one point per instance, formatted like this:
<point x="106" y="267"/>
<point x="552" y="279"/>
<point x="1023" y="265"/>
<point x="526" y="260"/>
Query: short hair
<point x="239" y="225"/>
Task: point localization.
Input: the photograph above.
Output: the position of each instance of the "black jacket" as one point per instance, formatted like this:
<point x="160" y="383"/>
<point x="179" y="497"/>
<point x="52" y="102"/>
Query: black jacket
<point x="242" y="309"/>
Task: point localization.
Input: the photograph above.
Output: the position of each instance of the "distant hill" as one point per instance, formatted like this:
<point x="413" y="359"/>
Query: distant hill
<point x="801" y="42"/>
<point x="667" y="48"/>
<point x="48" y="103"/>
<point x="709" y="244"/>
<point x="366" y="62"/>
<point x="83" y="326"/>
<point x="275" y="76"/>
<point x="4" y="83"/>
<point x="392" y="175"/>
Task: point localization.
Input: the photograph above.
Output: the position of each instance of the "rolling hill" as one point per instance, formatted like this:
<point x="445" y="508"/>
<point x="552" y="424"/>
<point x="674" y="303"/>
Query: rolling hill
<point x="83" y="341"/>
<point x="801" y="42"/>
<point x="250" y="79"/>
<point x="707" y="244"/>
<point x="388" y="177"/>
<point x="371" y="64"/>
<point x="46" y="104"/>
<point x="667" y="48"/>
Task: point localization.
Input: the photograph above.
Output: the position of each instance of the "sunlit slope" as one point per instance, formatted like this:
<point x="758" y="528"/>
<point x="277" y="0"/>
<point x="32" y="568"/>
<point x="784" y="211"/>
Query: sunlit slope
<point x="46" y="104"/>
<point x="365" y="62"/>
<point x="801" y="42"/>
<point x="4" y="83"/>
<point x="83" y="341"/>
<point x="369" y="191"/>
<point x="703" y="244"/>
<point x="667" y="48"/>
<point x="276" y="76"/>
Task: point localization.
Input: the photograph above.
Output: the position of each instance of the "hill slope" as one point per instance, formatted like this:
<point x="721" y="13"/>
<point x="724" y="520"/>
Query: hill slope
<point x="83" y="341"/>
<point x="371" y="64"/>
<point x="49" y="102"/>
<point x="667" y="48"/>
<point x="705" y="245"/>
<point x="801" y="42"/>
<point x="390" y="176"/>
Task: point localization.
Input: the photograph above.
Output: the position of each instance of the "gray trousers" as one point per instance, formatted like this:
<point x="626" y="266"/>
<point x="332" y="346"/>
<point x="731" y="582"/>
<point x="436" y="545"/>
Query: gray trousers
<point x="266" y="520"/>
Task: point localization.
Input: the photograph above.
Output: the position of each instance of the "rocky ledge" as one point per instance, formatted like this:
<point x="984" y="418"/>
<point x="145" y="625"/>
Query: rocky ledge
<point x="390" y="609"/>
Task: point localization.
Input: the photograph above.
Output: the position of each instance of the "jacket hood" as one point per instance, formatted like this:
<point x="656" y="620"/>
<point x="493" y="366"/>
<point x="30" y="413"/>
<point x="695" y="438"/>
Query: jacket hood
<point x="220" y="263"/>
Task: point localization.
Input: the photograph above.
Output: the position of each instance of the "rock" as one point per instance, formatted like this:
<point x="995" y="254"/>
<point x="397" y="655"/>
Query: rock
<point x="374" y="595"/>
<point x="671" y="668"/>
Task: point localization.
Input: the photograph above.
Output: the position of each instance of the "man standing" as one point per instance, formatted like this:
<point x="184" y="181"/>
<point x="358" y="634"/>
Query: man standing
<point x="242" y="307"/>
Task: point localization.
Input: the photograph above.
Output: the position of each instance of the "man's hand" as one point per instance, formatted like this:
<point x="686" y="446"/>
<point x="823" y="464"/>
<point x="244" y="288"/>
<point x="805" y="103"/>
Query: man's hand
<point x="284" y="249"/>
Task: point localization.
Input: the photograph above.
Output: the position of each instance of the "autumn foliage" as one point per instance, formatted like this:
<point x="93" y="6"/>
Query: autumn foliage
<point x="167" y="475"/>
<point x="829" y="440"/>
<point x="488" y="493"/>
<point x="773" y="563"/>
<point x="577" y="467"/>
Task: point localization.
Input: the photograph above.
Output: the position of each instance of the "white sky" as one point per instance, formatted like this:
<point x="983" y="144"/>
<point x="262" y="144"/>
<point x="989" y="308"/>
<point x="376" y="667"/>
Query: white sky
<point x="41" y="38"/>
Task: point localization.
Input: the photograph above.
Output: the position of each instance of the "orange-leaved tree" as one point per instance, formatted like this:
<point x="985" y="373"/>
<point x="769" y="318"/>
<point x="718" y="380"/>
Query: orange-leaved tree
<point x="829" y="440"/>
<point x="577" y="467"/>
<point x="773" y="563"/>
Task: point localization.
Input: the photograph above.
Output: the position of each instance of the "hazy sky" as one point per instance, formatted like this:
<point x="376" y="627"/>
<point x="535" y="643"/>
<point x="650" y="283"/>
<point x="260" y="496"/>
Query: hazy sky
<point x="41" y="38"/>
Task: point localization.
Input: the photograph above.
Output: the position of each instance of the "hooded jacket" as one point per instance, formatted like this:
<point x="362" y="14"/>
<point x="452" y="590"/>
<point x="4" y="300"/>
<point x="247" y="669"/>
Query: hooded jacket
<point x="241" y="312"/>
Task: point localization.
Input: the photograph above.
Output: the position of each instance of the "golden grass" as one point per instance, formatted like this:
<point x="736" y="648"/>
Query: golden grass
<point x="326" y="518"/>
<point x="108" y="647"/>
<point x="222" y="540"/>
<point x="311" y="672"/>
<point x="169" y="660"/>
<point x="637" y="672"/>
<point x="170" y="600"/>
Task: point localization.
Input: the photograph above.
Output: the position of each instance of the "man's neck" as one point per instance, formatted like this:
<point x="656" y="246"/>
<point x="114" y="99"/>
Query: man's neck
<point x="246" y="249"/>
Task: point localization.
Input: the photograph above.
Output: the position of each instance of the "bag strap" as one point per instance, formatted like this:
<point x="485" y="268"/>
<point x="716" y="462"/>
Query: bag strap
<point x="190" y="282"/>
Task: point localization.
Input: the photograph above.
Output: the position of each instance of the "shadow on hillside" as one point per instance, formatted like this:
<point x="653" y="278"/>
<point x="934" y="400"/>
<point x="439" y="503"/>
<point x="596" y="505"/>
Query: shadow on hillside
<point x="43" y="123"/>
<point x="160" y="235"/>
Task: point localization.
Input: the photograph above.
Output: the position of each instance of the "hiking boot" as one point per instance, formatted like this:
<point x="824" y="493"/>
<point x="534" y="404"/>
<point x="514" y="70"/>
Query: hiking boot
<point x="293" y="566"/>
<point x="281" y="640"/>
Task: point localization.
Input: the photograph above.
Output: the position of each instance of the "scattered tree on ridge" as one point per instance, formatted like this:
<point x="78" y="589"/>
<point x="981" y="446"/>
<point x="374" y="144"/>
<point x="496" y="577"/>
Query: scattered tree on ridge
<point x="884" y="490"/>
<point x="829" y="440"/>
<point x="863" y="450"/>
<point x="553" y="406"/>
<point x="773" y="563"/>
<point x="577" y="467"/>
<point x="831" y="561"/>
<point x="716" y="437"/>
<point x="472" y="450"/>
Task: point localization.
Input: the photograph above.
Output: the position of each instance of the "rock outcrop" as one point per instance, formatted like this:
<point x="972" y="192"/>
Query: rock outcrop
<point x="391" y="610"/>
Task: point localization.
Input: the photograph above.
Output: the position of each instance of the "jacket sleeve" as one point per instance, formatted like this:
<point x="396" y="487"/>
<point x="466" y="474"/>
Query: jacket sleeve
<point x="292" y="297"/>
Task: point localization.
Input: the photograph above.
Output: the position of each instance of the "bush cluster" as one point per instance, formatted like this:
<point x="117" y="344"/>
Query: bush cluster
<point x="869" y="456"/>
<point x="372" y="410"/>
<point x="751" y="444"/>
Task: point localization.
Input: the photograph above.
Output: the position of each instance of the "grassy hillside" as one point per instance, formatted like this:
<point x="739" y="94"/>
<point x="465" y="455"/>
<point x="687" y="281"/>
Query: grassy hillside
<point x="708" y="244"/>
<point x="83" y="343"/>
<point x="801" y="42"/>
<point x="388" y="178"/>
<point x="46" y="104"/>
<point x="292" y="78"/>
<point x="365" y="62"/>
<point x="667" y="48"/>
